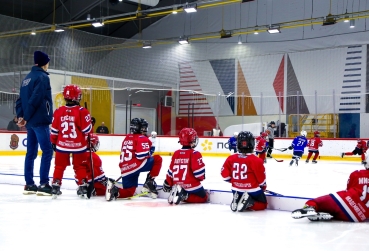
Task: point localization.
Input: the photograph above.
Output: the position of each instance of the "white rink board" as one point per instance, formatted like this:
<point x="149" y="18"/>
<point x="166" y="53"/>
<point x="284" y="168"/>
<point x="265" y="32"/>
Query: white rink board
<point x="207" y="145"/>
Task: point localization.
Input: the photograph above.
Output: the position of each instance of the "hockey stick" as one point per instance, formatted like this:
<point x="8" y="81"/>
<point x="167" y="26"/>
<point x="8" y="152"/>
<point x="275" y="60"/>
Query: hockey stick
<point x="281" y="149"/>
<point x="278" y="160"/>
<point x="273" y="193"/>
<point x="91" y="186"/>
<point x="139" y="195"/>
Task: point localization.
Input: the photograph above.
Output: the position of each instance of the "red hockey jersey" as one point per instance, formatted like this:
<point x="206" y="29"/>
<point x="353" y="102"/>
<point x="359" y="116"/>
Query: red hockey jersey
<point x="315" y="143"/>
<point x="186" y="169"/>
<point x="134" y="153"/>
<point x="260" y="144"/>
<point x="354" y="201"/>
<point x="246" y="173"/>
<point x="70" y="127"/>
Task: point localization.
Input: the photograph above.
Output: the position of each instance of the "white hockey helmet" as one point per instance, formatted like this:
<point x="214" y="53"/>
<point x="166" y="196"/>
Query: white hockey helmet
<point x="235" y="134"/>
<point x="303" y="133"/>
<point x="153" y="134"/>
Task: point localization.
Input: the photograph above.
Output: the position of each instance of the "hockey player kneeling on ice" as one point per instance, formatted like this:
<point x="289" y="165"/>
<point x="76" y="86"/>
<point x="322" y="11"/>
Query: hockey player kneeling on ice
<point x="351" y="204"/>
<point x="100" y="180"/>
<point x="69" y="129"/>
<point x="246" y="173"/>
<point x="298" y="145"/>
<point x="186" y="171"/>
<point x="136" y="158"/>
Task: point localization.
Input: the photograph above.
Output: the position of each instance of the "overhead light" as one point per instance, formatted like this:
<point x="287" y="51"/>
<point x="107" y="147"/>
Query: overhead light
<point x="347" y="19"/>
<point x="190" y="8"/>
<point x="174" y="10"/>
<point x="120" y="0"/>
<point x="329" y="20"/>
<point x="33" y="32"/>
<point x="274" y="29"/>
<point x="146" y="45"/>
<point x="352" y="23"/>
<point x="225" y="34"/>
<point x="239" y="39"/>
<point x="58" y="29"/>
<point x="97" y="24"/>
<point x="183" y="40"/>
<point x="256" y="31"/>
<point x="88" y="17"/>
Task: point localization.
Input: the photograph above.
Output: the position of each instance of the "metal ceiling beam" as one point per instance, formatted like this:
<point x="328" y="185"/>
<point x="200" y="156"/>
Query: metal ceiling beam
<point x="87" y="9"/>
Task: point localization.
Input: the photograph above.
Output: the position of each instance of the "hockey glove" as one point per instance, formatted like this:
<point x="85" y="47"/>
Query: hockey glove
<point x="290" y="148"/>
<point x="54" y="147"/>
<point x="166" y="187"/>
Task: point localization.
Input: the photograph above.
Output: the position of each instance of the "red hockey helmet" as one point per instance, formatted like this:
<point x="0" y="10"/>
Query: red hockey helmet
<point x="264" y="135"/>
<point x="188" y="137"/>
<point x="317" y="134"/>
<point x="95" y="142"/>
<point x="72" y="93"/>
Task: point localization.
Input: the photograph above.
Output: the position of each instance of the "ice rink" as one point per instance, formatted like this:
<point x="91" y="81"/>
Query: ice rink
<point x="69" y="223"/>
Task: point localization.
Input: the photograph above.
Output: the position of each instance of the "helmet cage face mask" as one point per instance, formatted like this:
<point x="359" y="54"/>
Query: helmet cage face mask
<point x="245" y="140"/>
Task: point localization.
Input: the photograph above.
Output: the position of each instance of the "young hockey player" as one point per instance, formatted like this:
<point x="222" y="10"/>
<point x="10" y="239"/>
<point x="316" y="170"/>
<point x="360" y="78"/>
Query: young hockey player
<point x="351" y="204"/>
<point x="100" y="181"/>
<point x="246" y="173"/>
<point x="186" y="171"/>
<point x="69" y="129"/>
<point x="298" y="145"/>
<point x="135" y="158"/>
<point x="313" y="146"/>
<point x="232" y="142"/>
<point x="360" y="149"/>
<point x="270" y="130"/>
<point x="261" y="146"/>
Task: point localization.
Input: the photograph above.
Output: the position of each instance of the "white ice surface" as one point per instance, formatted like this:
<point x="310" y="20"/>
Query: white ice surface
<point x="69" y="223"/>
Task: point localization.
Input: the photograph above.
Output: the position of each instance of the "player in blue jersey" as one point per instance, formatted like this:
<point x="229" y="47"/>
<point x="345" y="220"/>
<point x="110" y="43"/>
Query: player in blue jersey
<point x="298" y="145"/>
<point x="232" y="143"/>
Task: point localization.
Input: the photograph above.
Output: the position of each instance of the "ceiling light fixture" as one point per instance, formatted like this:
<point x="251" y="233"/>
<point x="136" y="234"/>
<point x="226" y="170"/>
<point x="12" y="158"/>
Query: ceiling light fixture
<point x="239" y="39"/>
<point x="174" y="10"/>
<point x="33" y="32"/>
<point x="88" y="17"/>
<point x="97" y="24"/>
<point x="352" y="23"/>
<point x="225" y="34"/>
<point x="146" y="45"/>
<point x="190" y="8"/>
<point x="58" y="29"/>
<point x="256" y="31"/>
<point x="183" y="40"/>
<point x="274" y="29"/>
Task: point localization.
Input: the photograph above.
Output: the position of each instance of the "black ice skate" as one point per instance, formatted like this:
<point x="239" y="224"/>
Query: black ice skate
<point x="111" y="190"/>
<point x="180" y="196"/>
<point x="82" y="190"/>
<point x="236" y="199"/>
<point x="44" y="190"/>
<point x="150" y="187"/>
<point x="245" y="202"/>
<point x="303" y="212"/>
<point x="172" y="193"/>
<point x="56" y="189"/>
<point x="30" y="189"/>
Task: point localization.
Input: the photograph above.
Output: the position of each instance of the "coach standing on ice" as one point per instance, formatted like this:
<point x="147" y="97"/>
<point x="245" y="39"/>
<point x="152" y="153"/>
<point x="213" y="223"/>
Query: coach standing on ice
<point x="35" y="111"/>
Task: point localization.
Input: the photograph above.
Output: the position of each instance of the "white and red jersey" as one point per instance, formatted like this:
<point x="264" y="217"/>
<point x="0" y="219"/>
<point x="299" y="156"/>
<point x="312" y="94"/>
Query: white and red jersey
<point x="354" y="201"/>
<point x="246" y="173"/>
<point x="315" y="143"/>
<point x="260" y="145"/>
<point x="134" y="153"/>
<point x="69" y="129"/>
<point x="186" y="169"/>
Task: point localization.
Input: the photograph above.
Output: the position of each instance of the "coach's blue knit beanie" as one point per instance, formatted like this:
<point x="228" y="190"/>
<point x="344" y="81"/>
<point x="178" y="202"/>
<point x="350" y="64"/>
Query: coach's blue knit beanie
<point x="41" y="58"/>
